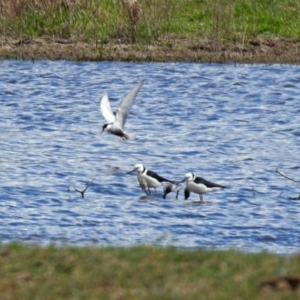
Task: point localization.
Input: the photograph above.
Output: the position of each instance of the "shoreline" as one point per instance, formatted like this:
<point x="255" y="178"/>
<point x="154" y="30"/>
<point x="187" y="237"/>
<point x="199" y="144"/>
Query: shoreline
<point x="174" y="49"/>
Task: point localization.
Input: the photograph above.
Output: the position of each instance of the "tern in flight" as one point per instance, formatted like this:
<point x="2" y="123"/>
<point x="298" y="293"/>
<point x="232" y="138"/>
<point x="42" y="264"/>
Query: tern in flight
<point x="115" y="123"/>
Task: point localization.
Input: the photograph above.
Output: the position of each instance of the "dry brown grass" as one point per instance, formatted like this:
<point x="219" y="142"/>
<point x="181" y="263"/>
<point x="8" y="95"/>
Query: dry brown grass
<point x="178" y="49"/>
<point x="132" y="9"/>
<point x="18" y="8"/>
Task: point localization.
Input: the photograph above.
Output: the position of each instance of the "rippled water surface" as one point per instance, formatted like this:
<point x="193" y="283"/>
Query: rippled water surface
<point x="231" y="124"/>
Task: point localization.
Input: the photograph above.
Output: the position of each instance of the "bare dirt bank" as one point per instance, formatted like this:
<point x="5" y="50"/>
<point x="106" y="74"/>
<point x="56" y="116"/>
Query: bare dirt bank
<point x="273" y="50"/>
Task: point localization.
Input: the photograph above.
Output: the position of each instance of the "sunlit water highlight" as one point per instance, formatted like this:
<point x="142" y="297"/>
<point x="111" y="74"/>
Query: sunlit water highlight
<point x="231" y="124"/>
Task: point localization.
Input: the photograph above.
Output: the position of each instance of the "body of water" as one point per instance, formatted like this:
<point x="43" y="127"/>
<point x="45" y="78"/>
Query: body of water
<point x="231" y="124"/>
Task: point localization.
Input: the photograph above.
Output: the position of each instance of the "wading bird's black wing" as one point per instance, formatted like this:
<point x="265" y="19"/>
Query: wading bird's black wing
<point x="208" y="183"/>
<point x="157" y="177"/>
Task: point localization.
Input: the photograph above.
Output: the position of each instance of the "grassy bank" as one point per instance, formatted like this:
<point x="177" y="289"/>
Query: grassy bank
<point x="145" y="21"/>
<point x="151" y="30"/>
<point x="142" y="273"/>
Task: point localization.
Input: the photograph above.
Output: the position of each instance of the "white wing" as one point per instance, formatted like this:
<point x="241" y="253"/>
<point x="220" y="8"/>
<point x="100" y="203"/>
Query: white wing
<point x="106" y="109"/>
<point x="126" y="103"/>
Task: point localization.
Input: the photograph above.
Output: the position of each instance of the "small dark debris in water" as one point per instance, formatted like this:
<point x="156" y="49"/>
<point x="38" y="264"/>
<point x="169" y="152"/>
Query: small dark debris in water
<point x="82" y="192"/>
<point x="288" y="85"/>
<point x="295" y="198"/>
<point x="248" y="159"/>
<point x="267" y="238"/>
<point x="288" y="283"/>
<point x="287" y="177"/>
<point x="115" y="169"/>
<point x="294" y="168"/>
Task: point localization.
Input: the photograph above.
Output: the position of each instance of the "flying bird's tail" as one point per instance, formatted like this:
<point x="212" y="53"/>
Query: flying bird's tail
<point x="129" y="136"/>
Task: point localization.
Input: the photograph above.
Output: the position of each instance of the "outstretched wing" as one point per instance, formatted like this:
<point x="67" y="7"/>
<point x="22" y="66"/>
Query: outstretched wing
<point x="106" y="110"/>
<point x="126" y="103"/>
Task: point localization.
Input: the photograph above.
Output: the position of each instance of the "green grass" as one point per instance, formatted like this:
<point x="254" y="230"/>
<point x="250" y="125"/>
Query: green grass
<point x="153" y="20"/>
<point x="32" y="272"/>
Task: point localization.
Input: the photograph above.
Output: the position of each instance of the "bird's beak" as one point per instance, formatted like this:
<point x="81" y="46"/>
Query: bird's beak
<point x="181" y="181"/>
<point x="130" y="171"/>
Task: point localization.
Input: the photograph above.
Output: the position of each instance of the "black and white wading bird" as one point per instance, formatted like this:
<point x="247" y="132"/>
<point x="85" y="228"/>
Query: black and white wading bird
<point x="115" y="123"/>
<point x="199" y="186"/>
<point x="148" y="179"/>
